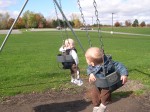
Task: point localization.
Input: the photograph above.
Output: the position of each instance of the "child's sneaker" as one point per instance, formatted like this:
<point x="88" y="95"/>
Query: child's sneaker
<point x="79" y="82"/>
<point x="73" y="81"/>
<point x="95" y="109"/>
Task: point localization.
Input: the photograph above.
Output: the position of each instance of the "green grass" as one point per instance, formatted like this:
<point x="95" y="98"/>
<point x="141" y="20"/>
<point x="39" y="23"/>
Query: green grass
<point x="28" y="61"/>
<point x="138" y="30"/>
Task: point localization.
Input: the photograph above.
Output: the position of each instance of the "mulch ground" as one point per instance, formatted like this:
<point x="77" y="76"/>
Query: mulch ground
<point x="77" y="100"/>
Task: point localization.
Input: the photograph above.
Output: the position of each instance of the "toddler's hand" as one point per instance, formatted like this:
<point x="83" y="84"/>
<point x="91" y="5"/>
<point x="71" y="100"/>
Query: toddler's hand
<point x="124" y="79"/>
<point x="92" y="78"/>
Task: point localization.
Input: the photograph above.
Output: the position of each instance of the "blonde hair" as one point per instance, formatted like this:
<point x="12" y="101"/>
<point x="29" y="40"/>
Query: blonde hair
<point x="69" y="42"/>
<point x="95" y="55"/>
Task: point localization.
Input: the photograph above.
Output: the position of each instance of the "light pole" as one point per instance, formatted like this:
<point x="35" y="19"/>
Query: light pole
<point x="92" y="22"/>
<point x="112" y="24"/>
<point x="112" y="21"/>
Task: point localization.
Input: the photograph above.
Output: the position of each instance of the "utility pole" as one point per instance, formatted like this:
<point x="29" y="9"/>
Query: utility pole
<point x="112" y="24"/>
<point x="92" y="22"/>
<point x="11" y="28"/>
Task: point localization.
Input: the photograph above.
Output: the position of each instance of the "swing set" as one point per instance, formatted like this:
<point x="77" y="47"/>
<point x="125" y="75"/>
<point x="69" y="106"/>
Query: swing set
<point x="110" y="80"/>
<point x="65" y="58"/>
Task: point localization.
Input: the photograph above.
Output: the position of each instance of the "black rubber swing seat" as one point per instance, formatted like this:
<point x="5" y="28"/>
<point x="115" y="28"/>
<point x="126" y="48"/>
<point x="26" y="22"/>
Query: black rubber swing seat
<point x="64" y="58"/>
<point x="111" y="81"/>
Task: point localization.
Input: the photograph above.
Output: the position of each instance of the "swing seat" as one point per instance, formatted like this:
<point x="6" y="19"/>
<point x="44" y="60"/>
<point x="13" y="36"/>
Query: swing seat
<point x="67" y="65"/>
<point x="64" y="58"/>
<point x="111" y="81"/>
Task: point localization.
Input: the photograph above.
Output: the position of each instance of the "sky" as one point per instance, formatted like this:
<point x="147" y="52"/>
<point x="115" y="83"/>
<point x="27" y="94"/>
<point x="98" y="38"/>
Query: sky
<point x="121" y="10"/>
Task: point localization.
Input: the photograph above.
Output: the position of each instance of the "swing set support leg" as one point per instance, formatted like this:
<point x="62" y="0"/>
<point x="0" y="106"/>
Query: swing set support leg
<point x="10" y="30"/>
<point x="69" y="24"/>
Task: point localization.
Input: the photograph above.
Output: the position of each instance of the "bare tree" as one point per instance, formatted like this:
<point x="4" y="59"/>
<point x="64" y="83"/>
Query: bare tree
<point x="75" y="19"/>
<point x="128" y="23"/>
<point x="142" y="24"/>
<point x="117" y="24"/>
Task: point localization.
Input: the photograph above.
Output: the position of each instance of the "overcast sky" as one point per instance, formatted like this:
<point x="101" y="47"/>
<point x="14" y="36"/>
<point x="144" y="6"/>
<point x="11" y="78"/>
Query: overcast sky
<point x="122" y="9"/>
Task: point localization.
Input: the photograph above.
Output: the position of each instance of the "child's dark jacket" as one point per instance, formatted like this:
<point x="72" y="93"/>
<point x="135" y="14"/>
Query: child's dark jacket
<point x="110" y="66"/>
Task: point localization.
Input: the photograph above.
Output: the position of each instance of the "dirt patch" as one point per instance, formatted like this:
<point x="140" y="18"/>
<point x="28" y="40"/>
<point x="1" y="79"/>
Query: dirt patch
<point x="76" y="100"/>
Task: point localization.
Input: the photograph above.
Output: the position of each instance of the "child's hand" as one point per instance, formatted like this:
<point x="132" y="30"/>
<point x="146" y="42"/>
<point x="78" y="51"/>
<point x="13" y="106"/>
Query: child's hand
<point x="92" y="78"/>
<point x="124" y="79"/>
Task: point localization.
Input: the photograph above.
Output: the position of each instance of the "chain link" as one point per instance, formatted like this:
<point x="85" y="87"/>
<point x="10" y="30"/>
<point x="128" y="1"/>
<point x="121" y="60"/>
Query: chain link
<point x="84" y="23"/>
<point x="56" y="14"/>
<point x="98" y="24"/>
<point x="58" y="22"/>
<point x="64" y="23"/>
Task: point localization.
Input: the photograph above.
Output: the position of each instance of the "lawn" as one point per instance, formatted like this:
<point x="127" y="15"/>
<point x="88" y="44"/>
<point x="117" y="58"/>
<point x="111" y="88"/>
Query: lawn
<point x="28" y="60"/>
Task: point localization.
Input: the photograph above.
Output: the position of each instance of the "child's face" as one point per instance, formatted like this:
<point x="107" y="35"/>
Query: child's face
<point x="88" y="61"/>
<point x="69" y="44"/>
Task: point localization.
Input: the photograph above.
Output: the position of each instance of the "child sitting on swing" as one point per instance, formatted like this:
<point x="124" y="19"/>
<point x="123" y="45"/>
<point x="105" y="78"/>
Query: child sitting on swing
<point x="97" y="64"/>
<point x="69" y="49"/>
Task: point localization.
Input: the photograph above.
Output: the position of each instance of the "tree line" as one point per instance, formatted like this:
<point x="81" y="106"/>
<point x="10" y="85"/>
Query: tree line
<point x="30" y="19"/>
<point x="135" y="23"/>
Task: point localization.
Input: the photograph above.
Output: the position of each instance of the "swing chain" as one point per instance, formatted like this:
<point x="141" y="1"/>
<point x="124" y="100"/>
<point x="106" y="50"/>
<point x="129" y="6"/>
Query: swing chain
<point x="56" y="14"/>
<point x="58" y="21"/>
<point x="98" y="24"/>
<point x="84" y="23"/>
<point x="64" y="23"/>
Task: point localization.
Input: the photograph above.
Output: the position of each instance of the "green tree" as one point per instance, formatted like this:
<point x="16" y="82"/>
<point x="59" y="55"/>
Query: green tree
<point x="4" y="18"/>
<point x="1" y="15"/>
<point x="20" y="24"/>
<point x="77" y="23"/>
<point x="135" y="23"/>
<point x="25" y="18"/>
<point x="75" y="19"/>
<point x="41" y="21"/>
<point x="33" y="20"/>
<point x="10" y="22"/>
<point x="54" y="23"/>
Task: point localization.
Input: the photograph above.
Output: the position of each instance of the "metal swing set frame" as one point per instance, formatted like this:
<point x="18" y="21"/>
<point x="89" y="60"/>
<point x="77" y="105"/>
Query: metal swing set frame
<point x="55" y="1"/>
<point x="60" y="58"/>
<point x="111" y="81"/>
<point x="65" y="59"/>
<point x="107" y="81"/>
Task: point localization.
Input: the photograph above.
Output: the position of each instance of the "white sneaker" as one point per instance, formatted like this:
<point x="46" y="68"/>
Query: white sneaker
<point x="95" y="109"/>
<point x="102" y="108"/>
<point x="72" y="80"/>
<point x="79" y="82"/>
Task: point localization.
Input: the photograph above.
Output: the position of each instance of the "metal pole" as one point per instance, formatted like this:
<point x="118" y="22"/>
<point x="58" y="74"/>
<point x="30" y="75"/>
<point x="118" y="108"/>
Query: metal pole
<point x="92" y="22"/>
<point x="112" y="21"/>
<point x="69" y="24"/>
<point x="10" y="30"/>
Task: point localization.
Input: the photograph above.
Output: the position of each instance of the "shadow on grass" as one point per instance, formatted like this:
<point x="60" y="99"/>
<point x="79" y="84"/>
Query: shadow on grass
<point x="72" y="106"/>
<point x="116" y="96"/>
<point x="140" y="72"/>
<point x="52" y="80"/>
